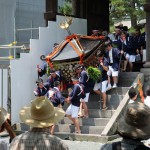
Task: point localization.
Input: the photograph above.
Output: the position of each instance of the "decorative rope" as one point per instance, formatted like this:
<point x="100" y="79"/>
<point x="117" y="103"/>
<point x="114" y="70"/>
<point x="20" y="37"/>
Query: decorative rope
<point x="141" y="90"/>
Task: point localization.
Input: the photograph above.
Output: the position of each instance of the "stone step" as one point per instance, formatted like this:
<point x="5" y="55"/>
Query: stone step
<point x="84" y="129"/>
<point x="146" y="71"/>
<point x="97" y="105"/>
<point x="85" y="137"/>
<point x="83" y="145"/>
<point x="110" y="98"/>
<point x="88" y="121"/>
<point x="125" y="75"/>
<point x="94" y="101"/>
<point x="118" y="91"/>
<point x="95" y="113"/>
<point x="112" y="104"/>
<point x="125" y="83"/>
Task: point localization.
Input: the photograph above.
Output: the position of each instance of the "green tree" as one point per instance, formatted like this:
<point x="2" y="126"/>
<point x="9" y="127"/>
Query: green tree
<point x="121" y="9"/>
<point x="66" y="9"/>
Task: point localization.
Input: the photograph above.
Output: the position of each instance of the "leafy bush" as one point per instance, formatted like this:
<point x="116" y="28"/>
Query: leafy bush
<point x="94" y="73"/>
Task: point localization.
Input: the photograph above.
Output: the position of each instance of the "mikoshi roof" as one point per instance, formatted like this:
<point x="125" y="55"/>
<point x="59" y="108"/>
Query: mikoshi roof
<point x="86" y="45"/>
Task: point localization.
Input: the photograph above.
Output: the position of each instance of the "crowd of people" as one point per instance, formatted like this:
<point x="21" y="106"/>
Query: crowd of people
<point x="114" y="56"/>
<point x="133" y="125"/>
<point x="132" y="43"/>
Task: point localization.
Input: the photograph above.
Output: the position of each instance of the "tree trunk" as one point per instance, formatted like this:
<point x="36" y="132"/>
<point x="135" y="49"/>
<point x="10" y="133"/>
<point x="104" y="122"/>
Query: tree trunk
<point x="133" y="17"/>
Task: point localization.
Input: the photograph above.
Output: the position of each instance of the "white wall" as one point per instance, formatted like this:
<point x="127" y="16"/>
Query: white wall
<point x="23" y="71"/>
<point x="3" y="87"/>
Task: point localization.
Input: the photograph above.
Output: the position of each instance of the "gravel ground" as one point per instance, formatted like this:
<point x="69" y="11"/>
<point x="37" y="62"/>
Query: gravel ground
<point x="77" y="145"/>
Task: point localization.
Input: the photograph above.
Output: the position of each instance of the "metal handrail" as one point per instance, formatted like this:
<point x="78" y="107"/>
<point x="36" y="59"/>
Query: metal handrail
<point x="12" y="47"/>
<point x="8" y="47"/>
<point x="25" y="29"/>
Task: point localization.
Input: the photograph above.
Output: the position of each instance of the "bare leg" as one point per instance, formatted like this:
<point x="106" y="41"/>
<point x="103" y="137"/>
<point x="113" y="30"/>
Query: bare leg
<point x="104" y="96"/>
<point x="125" y="65"/>
<point x="80" y="109"/>
<point x="109" y="84"/>
<point x="115" y="79"/>
<point x="85" y="109"/>
<point x="131" y="66"/>
<point x="108" y="79"/>
<point x="77" y="125"/>
<point x="9" y="130"/>
<point x="71" y="119"/>
<point x="97" y="92"/>
<point x="52" y="128"/>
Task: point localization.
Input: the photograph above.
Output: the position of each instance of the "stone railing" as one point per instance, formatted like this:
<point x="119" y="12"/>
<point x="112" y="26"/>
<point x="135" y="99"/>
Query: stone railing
<point x="110" y="128"/>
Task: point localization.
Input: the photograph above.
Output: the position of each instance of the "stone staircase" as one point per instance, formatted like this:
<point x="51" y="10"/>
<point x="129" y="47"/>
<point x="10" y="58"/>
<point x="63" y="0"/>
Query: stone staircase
<point x="93" y="126"/>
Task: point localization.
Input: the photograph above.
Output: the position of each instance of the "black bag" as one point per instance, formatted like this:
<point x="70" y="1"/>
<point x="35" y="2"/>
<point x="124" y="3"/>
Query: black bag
<point x="138" y="58"/>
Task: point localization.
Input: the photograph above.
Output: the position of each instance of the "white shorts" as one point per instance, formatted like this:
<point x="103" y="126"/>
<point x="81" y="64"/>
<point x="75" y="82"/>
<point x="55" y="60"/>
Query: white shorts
<point x="112" y="72"/>
<point x="103" y="86"/>
<point x="96" y="86"/>
<point x="72" y="111"/>
<point x="86" y="99"/>
<point x="131" y="58"/>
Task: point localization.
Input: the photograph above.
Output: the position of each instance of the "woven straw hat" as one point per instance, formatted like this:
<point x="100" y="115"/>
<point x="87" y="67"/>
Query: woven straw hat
<point x="41" y="113"/>
<point x="135" y="123"/>
<point x="3" y="115"/>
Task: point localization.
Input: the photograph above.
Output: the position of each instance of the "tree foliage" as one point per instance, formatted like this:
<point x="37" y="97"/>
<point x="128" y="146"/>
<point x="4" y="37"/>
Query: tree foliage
<point x="66" y="9"/>
<point x="121" y="9"/>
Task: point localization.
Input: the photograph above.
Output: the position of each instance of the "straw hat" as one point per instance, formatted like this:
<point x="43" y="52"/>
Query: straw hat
<point x="41" y="113"/>
<point x="135" y="123"/>
<point x="3" y="115"/>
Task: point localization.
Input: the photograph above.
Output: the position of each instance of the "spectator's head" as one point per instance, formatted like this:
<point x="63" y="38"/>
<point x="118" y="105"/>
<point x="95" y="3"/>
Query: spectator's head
<point x="101" y="54"/>
<point x="39" y="83"/>
<point x="75" y="80"/>
<point x="135" y="122"/>
<point x="132" y="93"/>
<point x="105" y="32"/>
<point x="41" y="113"/>
<point x="78" y="68"/>
<point x="123" y="35"/>
<point x="108" y="46"/>
<point x="57" y="84"/>
<point x="55" y="45"/>
<point x="3" y="115"/>
<point x="148" y="91"/>
<point x="107" y="39"/>
<point x="117" y="30"/>
<point x="137" y="32"/>
<point x="95" y="32"/>
<point x="53" y="72"/>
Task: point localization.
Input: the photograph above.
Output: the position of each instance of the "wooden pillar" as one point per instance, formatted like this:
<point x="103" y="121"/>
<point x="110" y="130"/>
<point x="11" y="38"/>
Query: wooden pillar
<point x="97" y="15"/>
<point x="76" y="8"/>
<point x="147" y="10"/>
<point x="83" y="9"/>
<point x="51" y="10"/>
